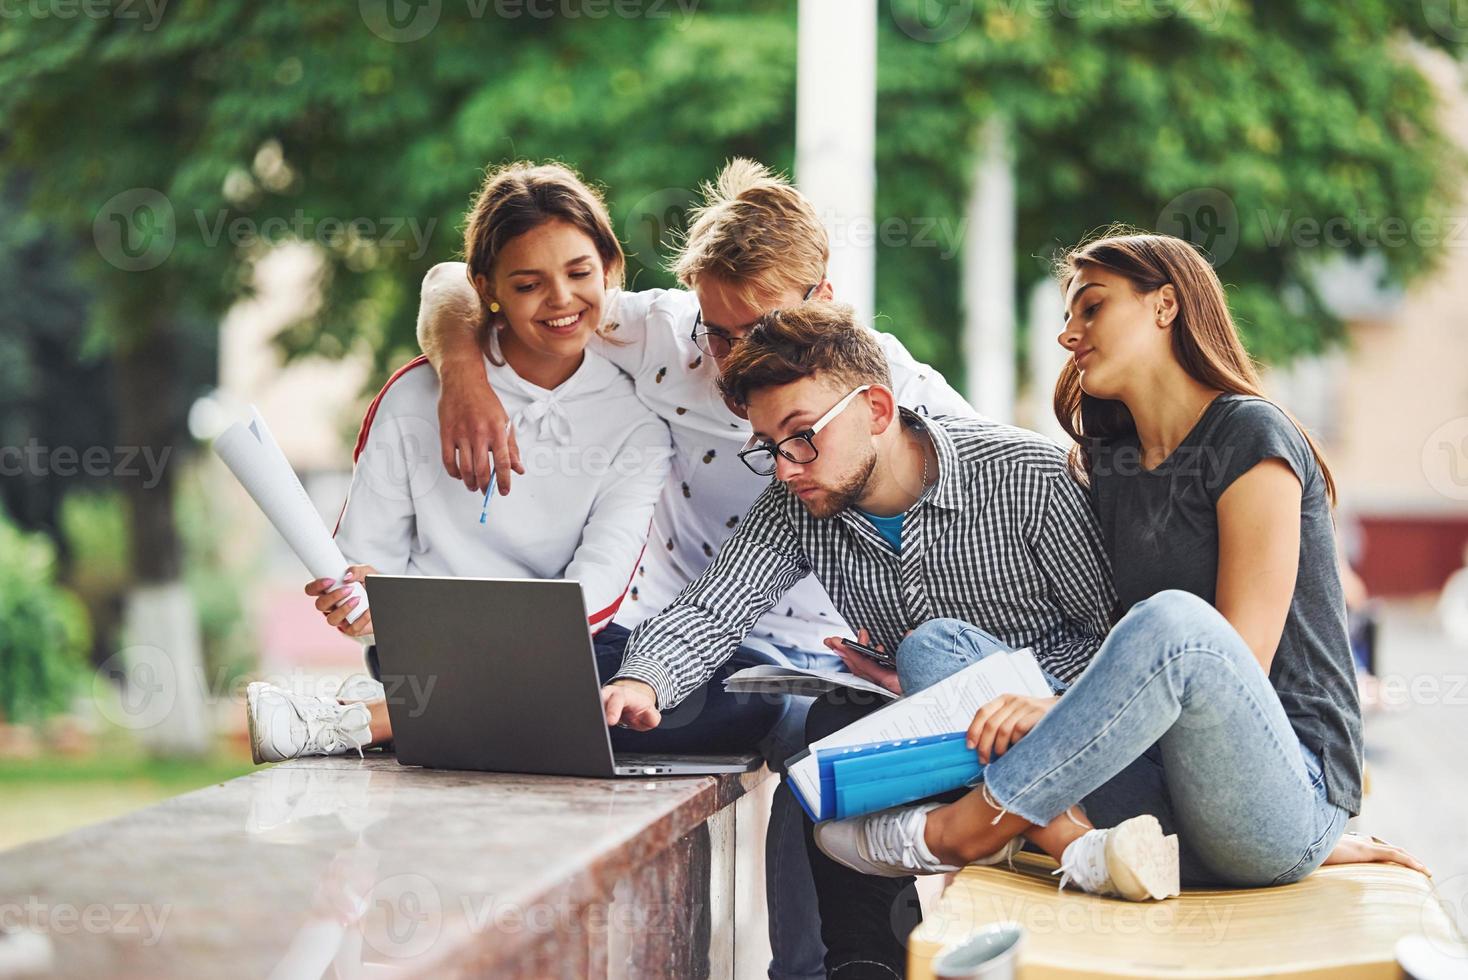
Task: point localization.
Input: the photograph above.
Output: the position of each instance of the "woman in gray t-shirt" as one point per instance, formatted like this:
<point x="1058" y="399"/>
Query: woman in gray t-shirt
<point x="1216" y="736"/>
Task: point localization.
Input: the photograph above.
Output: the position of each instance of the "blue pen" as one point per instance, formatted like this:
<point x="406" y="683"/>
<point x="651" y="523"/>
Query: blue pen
<point x="484" y="513"/>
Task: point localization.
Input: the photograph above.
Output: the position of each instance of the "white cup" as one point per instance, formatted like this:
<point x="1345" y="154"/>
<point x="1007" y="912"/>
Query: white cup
<point x="990" y="954"/>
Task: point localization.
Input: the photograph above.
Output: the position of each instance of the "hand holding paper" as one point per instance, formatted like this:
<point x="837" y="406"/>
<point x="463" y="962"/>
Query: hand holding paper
<point x="255" y="459"/>
<point x="336" y="600"/>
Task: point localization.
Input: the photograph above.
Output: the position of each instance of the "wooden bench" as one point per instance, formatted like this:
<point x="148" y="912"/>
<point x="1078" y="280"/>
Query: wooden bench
<point x="358" y="868"/>
<point x="1340" y="922"/>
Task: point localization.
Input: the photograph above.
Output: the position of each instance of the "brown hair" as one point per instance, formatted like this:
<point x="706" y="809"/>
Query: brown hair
<point x="1204" y="339"/>
<point x="756" y="232"/>
<point x="794" y="343"/>
<point x="521" y="196"/>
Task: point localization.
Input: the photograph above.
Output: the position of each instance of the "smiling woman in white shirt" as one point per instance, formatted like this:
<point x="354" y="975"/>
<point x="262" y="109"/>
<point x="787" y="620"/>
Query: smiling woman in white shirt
<point x="541" y="255"/>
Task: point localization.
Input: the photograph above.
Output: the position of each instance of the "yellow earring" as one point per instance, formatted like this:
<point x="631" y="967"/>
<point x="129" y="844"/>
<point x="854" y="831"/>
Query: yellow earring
<point x="494" y="307"/>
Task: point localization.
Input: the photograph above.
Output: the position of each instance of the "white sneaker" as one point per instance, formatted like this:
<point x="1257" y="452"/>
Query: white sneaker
<point x="286" y="726"/>
<point x="361" y="687"/>
<point x="1132" y="860"/>
<point x="889" y="843"/>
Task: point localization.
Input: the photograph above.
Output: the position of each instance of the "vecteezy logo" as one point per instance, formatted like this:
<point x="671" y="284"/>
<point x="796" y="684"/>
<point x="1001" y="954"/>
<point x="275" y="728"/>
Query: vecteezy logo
<point x="1205" y="216"/>
<point x="1449" y="18"/>
<point x="135" y="230"/>
<point x="932" y="21"/>
<point x="405" y="467"/>
<point x="136" y="687"/>
<point x="1445" y="459"/>
<point x="404" y="916"/>
<point x="652" y="225"/>
<point x="400" y="21"/>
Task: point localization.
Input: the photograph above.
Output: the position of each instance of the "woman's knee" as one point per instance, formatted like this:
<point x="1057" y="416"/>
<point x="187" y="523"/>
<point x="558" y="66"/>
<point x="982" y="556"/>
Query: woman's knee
<point x="1173" y="611"/>
<point x="1172" y="620"/>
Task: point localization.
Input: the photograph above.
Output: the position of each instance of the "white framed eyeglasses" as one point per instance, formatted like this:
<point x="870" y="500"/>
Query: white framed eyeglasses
<point x="798" y="448"/>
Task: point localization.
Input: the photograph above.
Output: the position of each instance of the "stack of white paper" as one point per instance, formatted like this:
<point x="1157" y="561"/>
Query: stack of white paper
<point x="254" y="457"/>
<point x="947" y="706"/>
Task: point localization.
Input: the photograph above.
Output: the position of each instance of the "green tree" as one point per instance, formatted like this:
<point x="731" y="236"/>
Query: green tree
<point x="43" y="630"/>
<point x="178" y="150"/>
<point x="176" y="144"/>
<point x="1235" y="123"/>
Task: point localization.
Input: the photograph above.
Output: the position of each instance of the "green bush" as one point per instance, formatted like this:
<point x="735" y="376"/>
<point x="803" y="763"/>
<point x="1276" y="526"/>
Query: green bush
<point x="229" y="643"/>
<point x="44" y="631"/>
<point x="95" y="527"/>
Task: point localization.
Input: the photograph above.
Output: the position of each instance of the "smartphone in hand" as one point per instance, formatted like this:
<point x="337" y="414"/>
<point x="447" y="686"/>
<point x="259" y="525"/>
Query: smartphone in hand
<point x="872" y="653"/>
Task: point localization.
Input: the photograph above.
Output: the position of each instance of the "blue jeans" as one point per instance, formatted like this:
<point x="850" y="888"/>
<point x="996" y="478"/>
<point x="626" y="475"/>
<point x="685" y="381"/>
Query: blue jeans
<point x="1172" y="717"/>
<point x="713" y="721"/>
<point x="1175" y="718"/>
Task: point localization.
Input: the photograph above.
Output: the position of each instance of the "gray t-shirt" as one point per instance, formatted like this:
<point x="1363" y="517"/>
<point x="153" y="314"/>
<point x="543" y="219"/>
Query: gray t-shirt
<point x="1161" y="531"/>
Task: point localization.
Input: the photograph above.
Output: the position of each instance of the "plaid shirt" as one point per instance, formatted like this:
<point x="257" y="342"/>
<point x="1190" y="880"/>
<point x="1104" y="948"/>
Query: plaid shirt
<point x="1004" y="539"/>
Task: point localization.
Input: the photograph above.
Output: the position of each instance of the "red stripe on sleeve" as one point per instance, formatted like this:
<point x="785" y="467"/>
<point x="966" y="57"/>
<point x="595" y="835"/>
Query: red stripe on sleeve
<point x="418" y="361"/>
<point x="611" y="610"/>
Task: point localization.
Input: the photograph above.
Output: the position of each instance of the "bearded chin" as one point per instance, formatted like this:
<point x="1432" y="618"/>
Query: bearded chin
<point x="836" y="499"/>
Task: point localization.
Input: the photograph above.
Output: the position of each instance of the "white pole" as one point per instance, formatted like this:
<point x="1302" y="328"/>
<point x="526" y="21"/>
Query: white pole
<point x="1046" y="358"/>
<point x="988" y="277"/>
<point x="836" y="137"/>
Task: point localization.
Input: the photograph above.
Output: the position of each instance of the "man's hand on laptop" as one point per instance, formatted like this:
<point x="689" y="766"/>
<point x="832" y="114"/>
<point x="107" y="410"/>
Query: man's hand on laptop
<point x="329" y="598"/>
<point x="630" y="704"/>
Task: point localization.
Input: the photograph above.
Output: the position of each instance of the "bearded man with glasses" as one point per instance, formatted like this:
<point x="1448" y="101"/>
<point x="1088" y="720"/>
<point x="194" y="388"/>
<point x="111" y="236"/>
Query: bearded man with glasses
<point x="915" y="525"/>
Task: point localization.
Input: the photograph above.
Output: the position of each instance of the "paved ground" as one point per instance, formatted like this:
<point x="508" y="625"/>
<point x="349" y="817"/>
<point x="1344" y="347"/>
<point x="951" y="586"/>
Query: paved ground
<point x="1417" y="756"/>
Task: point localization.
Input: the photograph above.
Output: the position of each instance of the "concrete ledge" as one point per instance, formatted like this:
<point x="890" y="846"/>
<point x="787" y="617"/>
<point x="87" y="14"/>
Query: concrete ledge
<point x="365" y="868"/>
<point x="1341" y="921"/>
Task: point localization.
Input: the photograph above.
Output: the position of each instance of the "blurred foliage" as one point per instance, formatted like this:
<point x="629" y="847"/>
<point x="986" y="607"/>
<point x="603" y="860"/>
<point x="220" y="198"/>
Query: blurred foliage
<point x="260" y="121"/>
<point x="255" y="121"/>
<point x="1293" y="109"/>
<point x="43" y="630"/>
<point x="94" y="534"/>
<point x="54" y="389"/>
<point x="94" y="530"/>
<point x="122" y="762"/>
<point x="229" y="643"/>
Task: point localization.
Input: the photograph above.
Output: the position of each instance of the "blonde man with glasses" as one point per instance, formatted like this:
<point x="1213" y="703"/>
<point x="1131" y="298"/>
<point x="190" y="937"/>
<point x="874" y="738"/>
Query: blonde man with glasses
<point x="756" y="244"/>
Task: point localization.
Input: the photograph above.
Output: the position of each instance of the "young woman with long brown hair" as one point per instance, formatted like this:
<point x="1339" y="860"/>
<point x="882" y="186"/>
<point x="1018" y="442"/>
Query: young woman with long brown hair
<point x="1216" y="735"/>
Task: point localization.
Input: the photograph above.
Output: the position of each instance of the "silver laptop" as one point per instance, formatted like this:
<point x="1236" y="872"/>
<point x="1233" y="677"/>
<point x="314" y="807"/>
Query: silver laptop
<point x="499" y="675"/>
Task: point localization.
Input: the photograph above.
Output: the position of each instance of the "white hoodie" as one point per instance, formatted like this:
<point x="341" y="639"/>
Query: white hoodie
<point x="595" y="461"/>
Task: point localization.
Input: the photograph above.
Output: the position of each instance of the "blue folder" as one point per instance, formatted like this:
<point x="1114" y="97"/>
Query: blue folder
<point x="858" y="779"/>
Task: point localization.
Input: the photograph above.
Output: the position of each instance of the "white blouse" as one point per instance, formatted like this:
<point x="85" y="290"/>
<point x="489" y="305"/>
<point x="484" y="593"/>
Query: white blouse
<point x="595" y="460"/>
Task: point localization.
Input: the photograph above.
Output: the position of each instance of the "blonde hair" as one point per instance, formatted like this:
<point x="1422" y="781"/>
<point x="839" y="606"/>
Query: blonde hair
<point x="755" y="233"/>
<point x="815" y="337"/>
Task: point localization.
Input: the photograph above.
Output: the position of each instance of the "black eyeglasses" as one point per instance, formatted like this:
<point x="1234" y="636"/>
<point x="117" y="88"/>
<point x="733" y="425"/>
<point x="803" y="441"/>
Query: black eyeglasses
<point x="717" y="342"/>
<point x="799" y="448"/>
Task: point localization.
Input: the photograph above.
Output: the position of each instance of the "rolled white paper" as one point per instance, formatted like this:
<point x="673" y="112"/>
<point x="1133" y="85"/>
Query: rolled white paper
<point x="256" y="460"/>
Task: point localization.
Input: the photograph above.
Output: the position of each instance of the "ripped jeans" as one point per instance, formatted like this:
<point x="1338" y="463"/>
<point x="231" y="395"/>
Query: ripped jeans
<point x="1175" y="718"/>
<point x="1172" y="717"/>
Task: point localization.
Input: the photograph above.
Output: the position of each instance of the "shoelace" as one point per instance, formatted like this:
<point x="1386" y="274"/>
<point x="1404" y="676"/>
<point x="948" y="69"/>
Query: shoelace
<point x="896" y="834"/>
<point x="1085" y="864"/>
<point x="885" y="835"/>
<point x="327" y="724"/>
